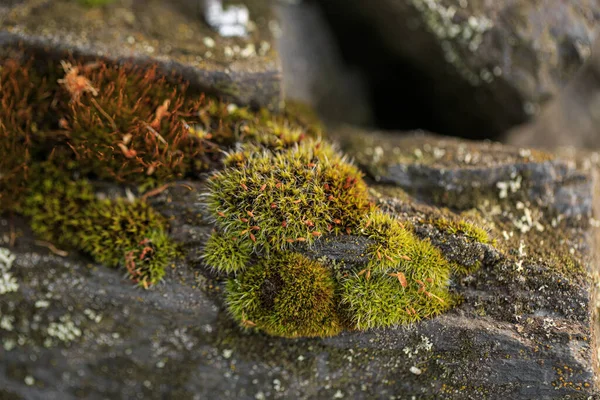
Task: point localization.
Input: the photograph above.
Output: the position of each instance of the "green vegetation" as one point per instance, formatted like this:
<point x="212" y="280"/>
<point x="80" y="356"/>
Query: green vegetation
<point x="461" y="227"/>
<point x="285" y="295"/>
<point x="275" y="197"/>
<point x="229" y="256"/>
<point x="95" y="3"/>
<point x="272" y="199"/>
<point x="282" y="190"/>
<point x="63" y="127"/>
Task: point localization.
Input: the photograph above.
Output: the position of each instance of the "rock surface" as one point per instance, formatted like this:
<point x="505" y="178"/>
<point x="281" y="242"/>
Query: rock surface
<point x="572" y="118"/>
<point x="478" y="67"/>
<point x="526" y="328"/>
<point x="245" y="70"/>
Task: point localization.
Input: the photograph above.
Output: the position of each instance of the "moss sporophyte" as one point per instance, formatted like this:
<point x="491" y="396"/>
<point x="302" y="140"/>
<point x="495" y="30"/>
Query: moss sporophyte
<point x="276" y="190"/>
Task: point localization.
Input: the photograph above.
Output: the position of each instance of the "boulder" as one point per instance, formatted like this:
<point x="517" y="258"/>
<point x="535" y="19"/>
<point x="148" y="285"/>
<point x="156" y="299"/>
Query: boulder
<point x="526" y="327"/>
<point x="469" y="68"/>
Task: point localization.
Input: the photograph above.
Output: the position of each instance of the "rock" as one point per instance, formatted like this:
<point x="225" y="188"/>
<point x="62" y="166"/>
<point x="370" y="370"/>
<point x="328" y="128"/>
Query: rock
<point x="314" y="71"/>
<point x="526" y="328"/>
<point x="469" y="68"/>
<point x="245" y="70"/>
<point x="572" y="118"/>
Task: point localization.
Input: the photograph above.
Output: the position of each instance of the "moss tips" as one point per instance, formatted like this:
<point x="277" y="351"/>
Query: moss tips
<point x="272" y="199"/>
<point x="268" y="200"/>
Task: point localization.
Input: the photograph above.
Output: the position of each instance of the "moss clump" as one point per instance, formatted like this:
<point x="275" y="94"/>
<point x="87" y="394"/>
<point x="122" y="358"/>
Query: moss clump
<point x="273" y="199"/>
<point x="383" y="300"/>
<point x="406" y="278"/>
<point x="227" y="255"/>
<point x="113" y="232"/>
<point x="95" y="3"/>
<point x="391" y="240"/>
<point x="461" y="227"/>
<point x="64" y="126"/>
<point x="24" y="99"/>
<point x="287" y="295"/>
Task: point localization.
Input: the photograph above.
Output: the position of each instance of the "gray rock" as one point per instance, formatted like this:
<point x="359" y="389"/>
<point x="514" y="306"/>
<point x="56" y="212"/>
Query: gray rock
<point x="245" y="70"/>
<point x="314" y="72"/>
<point x="484" y="66"/>
<point x="572" y="118"/>
<point x="524" y="330"/>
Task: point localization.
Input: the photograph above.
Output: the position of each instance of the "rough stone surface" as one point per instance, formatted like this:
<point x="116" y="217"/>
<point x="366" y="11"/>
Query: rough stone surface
<point x="245" y="70"/>
<point x="481" y="66"/>
<point x="524" y="330"/>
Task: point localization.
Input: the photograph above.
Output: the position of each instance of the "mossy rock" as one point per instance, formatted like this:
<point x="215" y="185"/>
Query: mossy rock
<point x="271" y="201"/>
<point x="173" y="35"/>
<point x="68" y="127"/>
<point x="517" y="321"/>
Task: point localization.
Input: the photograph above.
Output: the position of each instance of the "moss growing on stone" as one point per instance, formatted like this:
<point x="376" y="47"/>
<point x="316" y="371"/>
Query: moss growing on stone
<point x="113" y="232"/>
<point x="461" y="227"/>
<point x="275" y="200"/>
<point x="227" y="255"/>
<point x="95" y="3"/>
<point x="384" y="300"/>
<point x="286" y="295"/>
<point x="391" y="240"/>
<point x="65" y="126"/>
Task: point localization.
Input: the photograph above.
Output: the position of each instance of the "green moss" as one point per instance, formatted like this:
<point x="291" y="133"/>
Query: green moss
<point x="382" y="300"/>
<point x="64" y="126"/>
<point x="95" y="3"/>
<point x="227" y="255"/>
<point x="391" y="241"/>
<point x="273" y="199"/>
<point x="406" y="278"/>
<point x="113" y="232"/>
<point x="287" y="295"/>
<point x="461" y="227"/>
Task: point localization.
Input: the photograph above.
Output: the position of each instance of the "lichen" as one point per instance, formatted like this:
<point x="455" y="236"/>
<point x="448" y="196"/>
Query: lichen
<point x="457" y="37"/>
<point x="8" y="283"/>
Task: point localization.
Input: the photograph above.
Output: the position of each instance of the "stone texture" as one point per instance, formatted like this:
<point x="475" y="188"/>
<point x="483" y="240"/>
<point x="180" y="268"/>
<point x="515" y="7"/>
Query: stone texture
<point x="524" y="330"/>
<point x="170" y="33"/>
<point x="481" y="66"/>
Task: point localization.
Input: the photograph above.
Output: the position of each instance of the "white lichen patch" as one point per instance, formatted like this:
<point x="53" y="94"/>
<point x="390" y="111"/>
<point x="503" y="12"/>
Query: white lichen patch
<point x="456" y="36"/>
<point x="7" y="282"/>
<point x="511" y="186"/>
<point x="65" y="330"/>
<point x="423" y="346"/>
<point x="228" y="22"/>
<point x="522" y="254"/>
<point x="92" y="315"/>
<point x="6" y="322"/>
